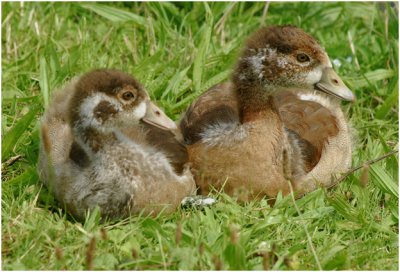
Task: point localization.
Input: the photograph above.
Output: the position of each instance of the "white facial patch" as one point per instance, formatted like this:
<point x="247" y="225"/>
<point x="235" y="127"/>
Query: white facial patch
<point x="313" y="76"/>
<point x="132" y="116"/>
<point x="139" y="111"/>
<point x="89" y="104"/>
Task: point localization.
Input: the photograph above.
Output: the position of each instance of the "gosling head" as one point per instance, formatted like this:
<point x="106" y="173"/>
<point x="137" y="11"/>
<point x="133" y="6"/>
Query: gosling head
<point x="106" y="100"/>
<point x="286" y="56"/>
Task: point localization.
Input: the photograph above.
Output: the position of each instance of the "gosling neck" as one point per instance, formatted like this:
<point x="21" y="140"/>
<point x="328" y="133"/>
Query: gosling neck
<point x="255" y="103"/>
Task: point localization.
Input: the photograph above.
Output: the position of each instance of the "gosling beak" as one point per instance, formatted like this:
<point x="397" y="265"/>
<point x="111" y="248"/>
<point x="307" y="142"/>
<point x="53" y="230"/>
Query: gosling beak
<point x="156" y="117"/>
<point x="331" y="83"/>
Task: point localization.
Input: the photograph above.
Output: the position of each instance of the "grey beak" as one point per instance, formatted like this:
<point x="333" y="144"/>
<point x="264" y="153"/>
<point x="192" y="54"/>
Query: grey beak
<point x="331" y="83"/>
<point x="156" y="117"/>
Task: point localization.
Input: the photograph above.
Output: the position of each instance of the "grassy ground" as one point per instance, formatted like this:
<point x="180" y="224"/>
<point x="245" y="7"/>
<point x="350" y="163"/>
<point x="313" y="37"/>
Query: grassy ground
<point x="178" y="51"/>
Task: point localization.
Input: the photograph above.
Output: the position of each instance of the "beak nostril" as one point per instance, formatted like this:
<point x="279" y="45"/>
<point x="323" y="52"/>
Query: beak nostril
<point x="335" y="81"/>
<point x="158" y="113"/>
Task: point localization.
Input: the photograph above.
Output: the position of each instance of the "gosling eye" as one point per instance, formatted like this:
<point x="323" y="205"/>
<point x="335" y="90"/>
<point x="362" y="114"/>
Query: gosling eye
<point x="303" y="57"/>
<point x="127" y="96"/>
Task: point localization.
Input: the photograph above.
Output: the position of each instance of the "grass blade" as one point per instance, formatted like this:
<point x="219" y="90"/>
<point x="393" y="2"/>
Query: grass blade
<point x="28" y="177"/>
<point x="342" y="207"/>
<point x="383" y="180"/>
<point x="203" y="49"/>
<point x="44" y="81"/>
<point x="216" y="79"/>
<point x="175" y="82"/>
<point x="370" y="77"/>
<point x="390" y="101"/>
<point x="115" y="14"/>
<point x="11" y="138"/>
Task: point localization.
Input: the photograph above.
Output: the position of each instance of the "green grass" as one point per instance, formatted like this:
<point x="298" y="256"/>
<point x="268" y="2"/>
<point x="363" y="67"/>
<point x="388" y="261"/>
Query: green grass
<point x="178" y="50"/>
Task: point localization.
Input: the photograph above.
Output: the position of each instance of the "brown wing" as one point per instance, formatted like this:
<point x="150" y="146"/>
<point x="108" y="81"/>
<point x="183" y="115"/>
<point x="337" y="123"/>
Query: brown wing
<point x="309" y="122"/>
<point x="166" y="142"/>
<point x="217" y="104"/>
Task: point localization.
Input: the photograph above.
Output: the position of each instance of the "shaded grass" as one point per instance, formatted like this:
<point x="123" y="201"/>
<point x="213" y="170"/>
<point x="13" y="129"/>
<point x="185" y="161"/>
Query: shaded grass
<point x="178" y="50"/>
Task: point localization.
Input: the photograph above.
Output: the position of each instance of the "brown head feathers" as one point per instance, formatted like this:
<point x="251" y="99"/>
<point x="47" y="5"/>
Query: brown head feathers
<point x="280" y="56"/>
<point x="106" y="81"/>
<point x="285" y="39"/>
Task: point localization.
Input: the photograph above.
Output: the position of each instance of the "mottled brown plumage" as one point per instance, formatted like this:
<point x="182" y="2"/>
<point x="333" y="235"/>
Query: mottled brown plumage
<point x="273" y="123"/>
